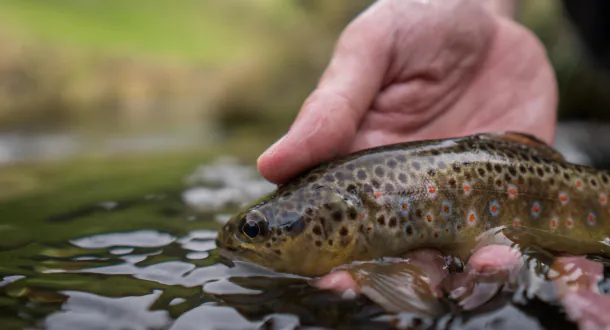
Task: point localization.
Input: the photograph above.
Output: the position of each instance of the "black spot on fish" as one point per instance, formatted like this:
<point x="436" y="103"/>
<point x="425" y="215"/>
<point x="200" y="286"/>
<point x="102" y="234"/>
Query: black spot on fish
<point x="531" y="169"/>
<point x="605" y="179"/>
<point x="329" y="178"/>
<point x="416" y="165"/>
<point x="343" y="231"/>
<point x="361" y="175"/>
<point x="536" y="159"/>
<point x="409" y="230"/>
<point x="367" y="188"/>
<point x="375" y="184"/>
<point x="594" y="182"/>
<point x="267" y="245"/>
<point x="278" y="252"/>
<point x="330" y="242"/>
<point x="456" y="168"/>
<point x="389" y="187"/>
<point x="435" y="152"/>
<point x="512" y="171"/>
<point x="555" y="169"/>
<point x="547" y="169"/>
<point x="498" y="168"/>
<point x="566" y="176"/>
<point x="361" y="229"/>
<point x="552" y="181"/>
<point x="339" y="176"/>
<point x="522" y="169"/>
<point x="489" y="167"/>
<point x="337" y="215"/>
<point x="507" y="177"/>
<point x="431" y="172"/>
<point x="402" y="177"/>
<point x="540" y="172"/>
<point x="379" y="171"/>
<point x="352" y="213"/>
<point x="579" y="170"/>
<point x="401" y="158"/>
<point x="452" y="183"/>
<point x="318" y="243"/>
<point x="481" y="171"/>
<point x="350" y="166"/>
<point x="419" y="213"/>
<point x="317" y="230"/>
<point x="352" y="189"/>
<point x="381" y="219"/>
<point x="392" y="163"/>
<point x="393" y="222"/>
<point x="499" y="183"/>
<point x="441" y="165"/>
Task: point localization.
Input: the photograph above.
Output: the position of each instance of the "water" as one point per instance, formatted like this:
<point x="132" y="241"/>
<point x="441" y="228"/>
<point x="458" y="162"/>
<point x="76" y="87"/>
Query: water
<point x="150" y="262"/>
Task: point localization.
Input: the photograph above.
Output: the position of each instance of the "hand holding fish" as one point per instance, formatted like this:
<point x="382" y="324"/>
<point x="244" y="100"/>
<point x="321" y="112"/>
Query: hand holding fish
<point x="409" y="70"/>
<point x="413" y="70"/>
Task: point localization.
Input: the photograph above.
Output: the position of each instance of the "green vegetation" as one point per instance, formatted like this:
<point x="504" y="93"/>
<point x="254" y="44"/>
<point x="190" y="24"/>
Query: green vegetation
<point x="187" y="29"/>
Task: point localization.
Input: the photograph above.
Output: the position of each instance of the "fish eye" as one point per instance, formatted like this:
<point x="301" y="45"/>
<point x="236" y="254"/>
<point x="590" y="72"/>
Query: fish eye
<point x="253" y="225"/>
<point x="251" y="228"/>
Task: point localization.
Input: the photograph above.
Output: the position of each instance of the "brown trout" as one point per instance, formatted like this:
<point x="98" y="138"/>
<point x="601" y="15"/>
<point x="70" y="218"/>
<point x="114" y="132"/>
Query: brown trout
<point x="443" y="194"/>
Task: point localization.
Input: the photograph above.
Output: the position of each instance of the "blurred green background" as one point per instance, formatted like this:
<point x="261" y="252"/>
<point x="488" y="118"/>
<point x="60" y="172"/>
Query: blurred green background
<point x="133" y="94"/>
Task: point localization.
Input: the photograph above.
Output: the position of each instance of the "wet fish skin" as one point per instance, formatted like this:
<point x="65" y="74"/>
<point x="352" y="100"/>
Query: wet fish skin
<point x="386" y="201"/>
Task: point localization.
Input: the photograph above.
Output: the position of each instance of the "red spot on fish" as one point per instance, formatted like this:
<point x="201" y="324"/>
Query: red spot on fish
<point x="459" y="227"/>
<point x="436" y="234"/>
<point x="432" y="189"/>
<point x="563" y="197"/>
<point x="377" y="194"/>
<point x="535" y="208"/>
<point x="554" y="223"/>
<point x="405" y="206"/>
<point x="494" y="208"/>
<point x="472" y="217"/>
<point x="578" y="184"/>
<point x="429" y="218"/>
<point x="569" y="222"/>
<point x="512" y="192"/>
<point x="516" y="223"/>
<point x="447" y="230"/>
<point x="591" y="218"/>
<point x="446" y="208"/>
<point x="603" y="199"/>
<point x="487" y="227"/>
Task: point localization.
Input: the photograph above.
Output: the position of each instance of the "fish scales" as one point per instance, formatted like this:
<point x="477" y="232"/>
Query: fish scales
<point x="386" y="201"/>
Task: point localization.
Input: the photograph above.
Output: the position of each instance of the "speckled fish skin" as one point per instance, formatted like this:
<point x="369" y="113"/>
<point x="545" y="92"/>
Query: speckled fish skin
<point x="386" y="201"/>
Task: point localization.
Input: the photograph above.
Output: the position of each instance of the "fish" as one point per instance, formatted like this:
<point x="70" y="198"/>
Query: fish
<point x="444" y="194"/>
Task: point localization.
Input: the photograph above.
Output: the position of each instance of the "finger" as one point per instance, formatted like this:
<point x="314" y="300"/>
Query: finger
<point x="329" y="118"/>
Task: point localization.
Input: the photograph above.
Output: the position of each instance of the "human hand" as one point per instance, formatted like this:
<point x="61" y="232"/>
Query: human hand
<point x="411" y="70"/>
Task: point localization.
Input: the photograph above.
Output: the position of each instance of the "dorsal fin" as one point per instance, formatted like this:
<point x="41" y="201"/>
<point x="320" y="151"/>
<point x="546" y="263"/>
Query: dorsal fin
<point x="528" y="140"/>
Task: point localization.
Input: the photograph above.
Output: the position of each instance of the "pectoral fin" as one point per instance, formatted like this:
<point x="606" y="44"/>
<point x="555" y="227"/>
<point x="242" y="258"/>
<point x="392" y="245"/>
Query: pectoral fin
<point x="397" y="286"/>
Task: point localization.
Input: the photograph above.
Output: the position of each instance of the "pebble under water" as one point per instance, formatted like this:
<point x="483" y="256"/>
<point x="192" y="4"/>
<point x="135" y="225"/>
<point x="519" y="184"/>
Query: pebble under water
<point x="150" y="263"/>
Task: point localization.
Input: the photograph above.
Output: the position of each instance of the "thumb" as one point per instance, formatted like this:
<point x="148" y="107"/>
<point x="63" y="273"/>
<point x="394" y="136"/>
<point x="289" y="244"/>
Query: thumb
<point x="329" y="118"/>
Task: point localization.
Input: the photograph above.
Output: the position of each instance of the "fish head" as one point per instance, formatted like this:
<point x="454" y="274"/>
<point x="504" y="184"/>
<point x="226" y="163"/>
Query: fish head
<point x="306" y="231"/>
